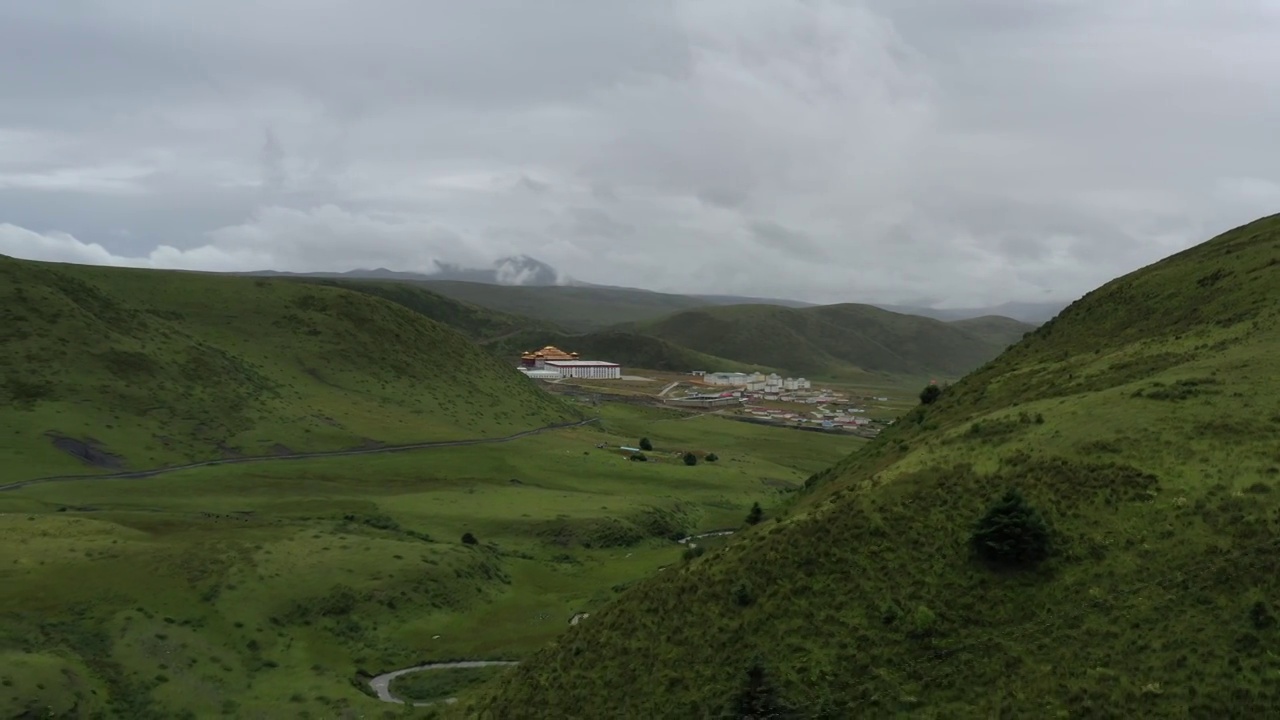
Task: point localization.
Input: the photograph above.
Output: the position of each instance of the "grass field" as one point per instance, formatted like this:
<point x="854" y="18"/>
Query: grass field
<point x="264" y="590"/>
<point x="1140" y="423"/>
<point x="112" y="369"/>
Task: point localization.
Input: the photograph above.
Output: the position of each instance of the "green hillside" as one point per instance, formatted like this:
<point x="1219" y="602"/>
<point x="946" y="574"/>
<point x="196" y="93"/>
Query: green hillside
<point x="1140" y="424"/>
<point x="827" y="340"/>
<point x="580" y="309"/>
<point x="475" y="321"/>
<point x="995" y="329"/>
<point x="134" y="369"/>
<point x="630" y="350"/>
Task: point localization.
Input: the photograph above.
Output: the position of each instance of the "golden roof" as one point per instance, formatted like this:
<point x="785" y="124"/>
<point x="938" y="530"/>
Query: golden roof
<point x="550" y="352"/>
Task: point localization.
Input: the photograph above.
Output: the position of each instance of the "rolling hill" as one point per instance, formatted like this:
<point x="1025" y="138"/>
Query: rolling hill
<point x="1139" y="424"/>
<point x="826" y="340"/>
<point x="122" y="369"/>
<point x="996" y="329"/>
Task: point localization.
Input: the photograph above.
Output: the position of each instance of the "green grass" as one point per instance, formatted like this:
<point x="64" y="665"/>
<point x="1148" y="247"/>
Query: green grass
<point x="441" y="684"/>
<point x="263" y="590"/>
<point x="826" y="341"/>
<point x="1155" y="465"/>
<point x="152" y="368"/>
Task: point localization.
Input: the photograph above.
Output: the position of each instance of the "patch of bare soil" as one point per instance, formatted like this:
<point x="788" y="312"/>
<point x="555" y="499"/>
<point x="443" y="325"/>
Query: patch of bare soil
<point x="88" y="451"/>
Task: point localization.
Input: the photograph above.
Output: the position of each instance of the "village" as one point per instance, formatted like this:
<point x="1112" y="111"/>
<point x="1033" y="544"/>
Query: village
<point x="753" y="396"/>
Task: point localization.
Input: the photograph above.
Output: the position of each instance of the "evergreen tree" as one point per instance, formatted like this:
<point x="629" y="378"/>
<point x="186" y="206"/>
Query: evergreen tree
<point x="755" y="515"/>
<point x="929" y="395"/>
<point x="469" y="539"/>
<point x="690" y="459"/>
<point x="1011" y="533"/>
<point x="711" y="457"/>
<point x="646" y="445"/>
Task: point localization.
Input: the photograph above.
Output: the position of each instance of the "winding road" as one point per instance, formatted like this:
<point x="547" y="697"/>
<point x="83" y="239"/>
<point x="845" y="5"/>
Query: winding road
<point x="382" y="683"/>
<point x="139" y="474"/>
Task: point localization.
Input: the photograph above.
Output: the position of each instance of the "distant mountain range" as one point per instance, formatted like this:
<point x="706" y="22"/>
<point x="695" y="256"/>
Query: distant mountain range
<point x="534" y="288"/>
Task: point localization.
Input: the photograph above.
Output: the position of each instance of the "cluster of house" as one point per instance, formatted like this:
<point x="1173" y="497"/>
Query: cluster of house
<point x="755" y="382"/>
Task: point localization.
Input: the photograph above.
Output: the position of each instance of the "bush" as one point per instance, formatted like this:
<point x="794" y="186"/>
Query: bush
<point x="690" y="459"/>
<point x="646" y="445"/>
<point x="1011" y="533"/>
<point x="755" y="515"/>
<point x="711" y="457"/>
<point x="469" y="539"/>
<point x="929" y="395"/>
<point x="639" y="457"/>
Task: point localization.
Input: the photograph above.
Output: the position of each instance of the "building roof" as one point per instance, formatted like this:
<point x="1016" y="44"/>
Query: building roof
<point x="581" y="363"/>
<point x="549" y="352"/>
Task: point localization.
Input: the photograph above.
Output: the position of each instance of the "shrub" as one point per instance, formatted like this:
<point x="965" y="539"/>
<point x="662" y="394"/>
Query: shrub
<point x="639" y="457"/>
<point x="469" y="539"/>
<point x="755" y="515"/>
<point x="646" y="445"/>
<point x="758" y="700"/>
<point x="1011" y="533"/>
<point x="929" y="395"/>
<point x="690" y="459"/>
<point x="711" y="457"/>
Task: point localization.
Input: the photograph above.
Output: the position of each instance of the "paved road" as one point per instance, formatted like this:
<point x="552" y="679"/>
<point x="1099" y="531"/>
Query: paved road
<point x="137" y="474"/>
<point x="382" y="683"/>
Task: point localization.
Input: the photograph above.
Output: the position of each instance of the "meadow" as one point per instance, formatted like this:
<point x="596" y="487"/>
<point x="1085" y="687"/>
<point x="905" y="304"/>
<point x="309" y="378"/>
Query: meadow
<point x="275" y="589"/>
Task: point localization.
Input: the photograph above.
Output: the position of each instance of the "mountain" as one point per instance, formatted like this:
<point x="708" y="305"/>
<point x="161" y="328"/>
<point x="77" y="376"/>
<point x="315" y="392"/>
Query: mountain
<point x="995" y="329"/>
<point x="1139" y="426"/>
<point x="137" y="368"/>
<point x="1034" y="313"/>
<point x="826" y="339"/>
<point x="477" y="323"/>
<point x="515" y="270"/>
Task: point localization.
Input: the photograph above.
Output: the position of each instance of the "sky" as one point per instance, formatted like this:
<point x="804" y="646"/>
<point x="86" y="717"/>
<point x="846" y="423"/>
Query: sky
<point x="897" y="151"/>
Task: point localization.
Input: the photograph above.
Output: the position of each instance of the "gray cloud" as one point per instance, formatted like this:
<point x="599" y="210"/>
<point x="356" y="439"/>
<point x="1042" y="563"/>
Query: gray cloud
<point x="971" y="152"/>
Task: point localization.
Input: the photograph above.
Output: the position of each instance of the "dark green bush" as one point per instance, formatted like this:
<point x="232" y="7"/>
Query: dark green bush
<point x="1011" y="533"/>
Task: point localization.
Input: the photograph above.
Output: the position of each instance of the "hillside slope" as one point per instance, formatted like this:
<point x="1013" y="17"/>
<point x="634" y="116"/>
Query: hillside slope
<point x="1141" y="423"/>
<point x="133" y="368"/>
<point x="826" y="339"/>
<point x="576" y="308"/>
<point x="996" y="329"/>
<point x="479" y="323"/>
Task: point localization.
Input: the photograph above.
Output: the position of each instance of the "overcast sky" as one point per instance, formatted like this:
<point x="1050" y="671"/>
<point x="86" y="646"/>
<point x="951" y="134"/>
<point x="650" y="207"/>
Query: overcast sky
<point x="959" y="152"/>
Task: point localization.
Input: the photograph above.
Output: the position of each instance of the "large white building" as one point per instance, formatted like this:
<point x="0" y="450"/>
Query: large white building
<point x="756" y="382"/>
<point x="598" y="369"/>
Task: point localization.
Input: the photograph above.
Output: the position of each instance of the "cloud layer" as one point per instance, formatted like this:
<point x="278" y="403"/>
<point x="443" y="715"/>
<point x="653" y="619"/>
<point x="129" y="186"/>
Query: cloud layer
<point x="888" y="150"/>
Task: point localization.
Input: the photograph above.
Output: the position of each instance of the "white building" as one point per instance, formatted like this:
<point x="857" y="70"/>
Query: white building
<point x="543" y="374"/>
<point x="795" y="384"/>
<point x="597" y="369"/>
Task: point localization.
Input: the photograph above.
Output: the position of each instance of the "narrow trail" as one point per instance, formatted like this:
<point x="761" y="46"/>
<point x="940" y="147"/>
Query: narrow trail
<point x="382" y="683"/>
<point x="668" y="389"/>
<point x="139" y="474"/>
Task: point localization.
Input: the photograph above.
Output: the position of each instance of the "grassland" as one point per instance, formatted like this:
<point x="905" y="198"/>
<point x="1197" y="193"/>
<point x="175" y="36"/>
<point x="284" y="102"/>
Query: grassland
<point x="273" y="590"/>
<point x="115" y="369"/>
<point x="826" y="341"/>
<point x="577" y="309"/>
<point x="1141" y="423"/>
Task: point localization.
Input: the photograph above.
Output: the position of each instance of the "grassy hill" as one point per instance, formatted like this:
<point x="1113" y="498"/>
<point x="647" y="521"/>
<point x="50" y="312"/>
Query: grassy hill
<point x="1140" y="424"/>
<point x="575" y="308"/>
<point x="995" y="329"/>
<point x="826" y="340"/>
<point x="478" y="323"/>
<point x="119" y="369"/>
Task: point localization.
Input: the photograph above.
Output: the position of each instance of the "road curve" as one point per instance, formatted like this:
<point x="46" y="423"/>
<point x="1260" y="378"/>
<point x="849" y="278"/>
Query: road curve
<point x="382" y="684"/>
<point x="139" y="474"/>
